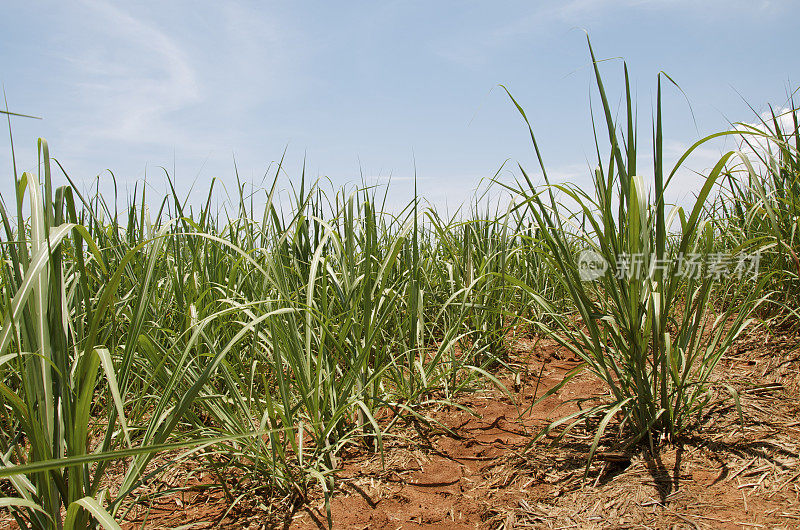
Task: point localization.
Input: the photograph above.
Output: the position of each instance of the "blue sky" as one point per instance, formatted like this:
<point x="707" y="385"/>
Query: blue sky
<point x="371" y="88"/>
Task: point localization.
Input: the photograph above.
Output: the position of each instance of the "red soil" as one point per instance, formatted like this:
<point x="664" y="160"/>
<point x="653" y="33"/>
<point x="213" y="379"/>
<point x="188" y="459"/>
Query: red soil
<point x="474" y="470"/>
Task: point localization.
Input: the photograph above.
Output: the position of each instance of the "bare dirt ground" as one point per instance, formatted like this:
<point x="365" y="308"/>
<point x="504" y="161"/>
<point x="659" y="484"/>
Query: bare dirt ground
<point x="474" y="469"/>
<point x="481" y="476"/>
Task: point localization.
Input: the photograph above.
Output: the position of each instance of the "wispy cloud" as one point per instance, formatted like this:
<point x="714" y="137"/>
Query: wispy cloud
<point x="758" y="140"/>
<point x="151" y="86"/>
<point x="135" y="80"/>
<point x="478" y="48"/>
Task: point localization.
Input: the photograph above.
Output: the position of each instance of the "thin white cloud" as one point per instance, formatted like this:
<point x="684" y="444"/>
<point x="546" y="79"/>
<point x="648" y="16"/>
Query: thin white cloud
<point x="142" y="87"/>
<point x="783" y="118"/>
<point x="758" y="140"/>
<point x="475" y="50"/>
<point x="135" y="80"/>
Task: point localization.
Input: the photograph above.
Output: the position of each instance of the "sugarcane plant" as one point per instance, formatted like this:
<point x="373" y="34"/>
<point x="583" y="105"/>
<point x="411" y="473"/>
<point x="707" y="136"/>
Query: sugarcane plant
<point x="641" y="285"/>
<point x="759" y="208"/>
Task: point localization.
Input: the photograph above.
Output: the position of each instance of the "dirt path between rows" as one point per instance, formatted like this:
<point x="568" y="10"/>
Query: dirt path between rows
<point x="475" y="470"/>
<point x="481" y="476"/>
